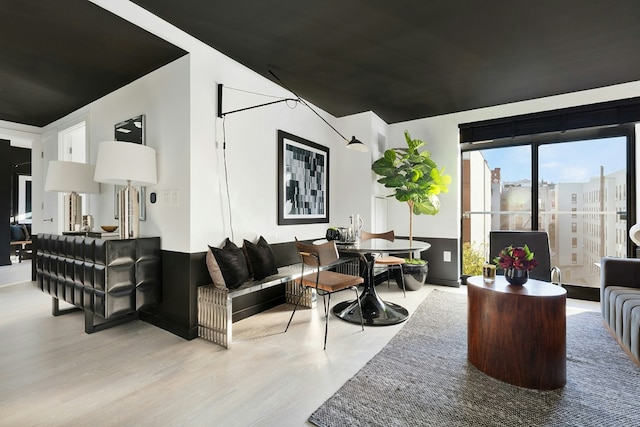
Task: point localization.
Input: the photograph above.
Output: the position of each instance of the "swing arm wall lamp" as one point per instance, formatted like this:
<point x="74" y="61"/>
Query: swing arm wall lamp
<point x="352" y="144"/>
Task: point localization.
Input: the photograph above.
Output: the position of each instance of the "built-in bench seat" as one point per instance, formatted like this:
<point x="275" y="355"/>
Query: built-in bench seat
<point x="217" y="308"/>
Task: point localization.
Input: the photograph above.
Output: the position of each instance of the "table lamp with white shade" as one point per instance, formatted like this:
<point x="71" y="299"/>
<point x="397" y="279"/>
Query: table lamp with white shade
<point x="634" y="234"/>
<point x="129" y="164"/>
<point x="72" y="178"/>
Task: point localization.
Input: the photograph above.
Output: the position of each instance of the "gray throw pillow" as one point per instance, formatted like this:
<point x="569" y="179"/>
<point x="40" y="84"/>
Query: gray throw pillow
<point x="214" y="271"/>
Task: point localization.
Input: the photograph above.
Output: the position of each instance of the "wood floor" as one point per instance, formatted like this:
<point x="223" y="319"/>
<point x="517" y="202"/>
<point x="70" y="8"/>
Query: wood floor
<point x="53" y="374"/>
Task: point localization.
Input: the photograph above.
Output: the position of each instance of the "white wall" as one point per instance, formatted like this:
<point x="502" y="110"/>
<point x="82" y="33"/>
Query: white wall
<point x="163" y="97"/>
<point x="441" y="137"/>
<point x="351" y="172"/>
<point x="251" y="151"/>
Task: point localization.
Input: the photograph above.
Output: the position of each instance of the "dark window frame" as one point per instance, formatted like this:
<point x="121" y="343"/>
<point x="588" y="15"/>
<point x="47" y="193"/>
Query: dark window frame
<point x="587" y="122"/>
<point x="535" y="141"/>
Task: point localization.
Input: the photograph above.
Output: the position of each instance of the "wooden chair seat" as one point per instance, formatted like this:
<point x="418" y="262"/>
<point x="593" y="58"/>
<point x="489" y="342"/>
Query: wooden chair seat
<point x="390" y="260"/>
<point x="330" y="281"/>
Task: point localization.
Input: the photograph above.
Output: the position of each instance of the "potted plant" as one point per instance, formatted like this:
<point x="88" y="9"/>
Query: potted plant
<point x="473" y="260"/>
<point x="416" y="180"/>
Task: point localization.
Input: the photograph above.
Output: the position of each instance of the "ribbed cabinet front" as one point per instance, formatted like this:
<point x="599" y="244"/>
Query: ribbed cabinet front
<point x="107" y="277"/>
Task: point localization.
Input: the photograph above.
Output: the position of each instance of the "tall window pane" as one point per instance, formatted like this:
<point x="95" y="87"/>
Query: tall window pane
<point x="582" y="192"/>
<point x="496" y="196"/>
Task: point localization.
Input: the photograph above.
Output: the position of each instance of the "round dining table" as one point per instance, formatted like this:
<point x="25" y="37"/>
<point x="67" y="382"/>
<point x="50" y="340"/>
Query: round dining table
<point x="375" y="311"/>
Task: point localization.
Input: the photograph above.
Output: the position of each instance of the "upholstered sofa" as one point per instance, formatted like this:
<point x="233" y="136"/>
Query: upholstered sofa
<point x="620" y="301"/>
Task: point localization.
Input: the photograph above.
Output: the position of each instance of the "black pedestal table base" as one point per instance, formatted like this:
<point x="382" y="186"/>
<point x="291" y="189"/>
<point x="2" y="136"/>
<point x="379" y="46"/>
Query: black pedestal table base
<point x="375" y="311"/>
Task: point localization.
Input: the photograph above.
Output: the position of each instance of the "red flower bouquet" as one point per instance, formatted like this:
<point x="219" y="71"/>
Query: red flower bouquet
<point x="519" y="258"/>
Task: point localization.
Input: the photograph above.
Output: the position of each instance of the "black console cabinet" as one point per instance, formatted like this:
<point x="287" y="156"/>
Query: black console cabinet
<point x="110" y="279"/>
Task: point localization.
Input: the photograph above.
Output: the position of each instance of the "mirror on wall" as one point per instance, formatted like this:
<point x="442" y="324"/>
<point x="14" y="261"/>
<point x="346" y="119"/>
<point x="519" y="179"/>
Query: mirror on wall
<point x="131" y="130"/>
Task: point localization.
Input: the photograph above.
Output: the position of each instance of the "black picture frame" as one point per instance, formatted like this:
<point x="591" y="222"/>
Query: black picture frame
<point x="303" y="181"/>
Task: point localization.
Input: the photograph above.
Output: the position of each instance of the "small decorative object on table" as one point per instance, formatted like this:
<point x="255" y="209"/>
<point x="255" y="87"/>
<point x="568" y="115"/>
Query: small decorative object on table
<point x="109" y="228"/>
<point x="516" y="262"/>
<point x="489" y="272"/>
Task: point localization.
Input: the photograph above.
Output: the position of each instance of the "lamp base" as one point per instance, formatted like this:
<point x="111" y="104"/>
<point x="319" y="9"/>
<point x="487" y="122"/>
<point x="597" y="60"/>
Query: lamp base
<point x="129" y="212"/>
<point x="72" y="212"/>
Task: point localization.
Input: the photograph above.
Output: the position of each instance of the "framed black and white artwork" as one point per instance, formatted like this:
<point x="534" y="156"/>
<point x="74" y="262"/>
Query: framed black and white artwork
<point x="303" y="180"/>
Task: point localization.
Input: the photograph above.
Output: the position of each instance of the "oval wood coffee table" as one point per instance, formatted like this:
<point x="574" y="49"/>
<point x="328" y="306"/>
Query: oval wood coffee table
<point x="517" y="334"/>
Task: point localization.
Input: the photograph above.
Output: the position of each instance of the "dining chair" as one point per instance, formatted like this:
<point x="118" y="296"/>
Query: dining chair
<point x="538" y="243"/>
<point x="324" y="282"/>
<point x="390" y="262"/>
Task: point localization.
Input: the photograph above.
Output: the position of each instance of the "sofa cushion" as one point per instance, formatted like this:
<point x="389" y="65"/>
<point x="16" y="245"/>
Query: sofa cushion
<point x="260" y="258"/>
<point x="626" y="319"/>
<point x="634" y="333"/>
<point x="232" y="263"/>
<point x="616" y="299"/>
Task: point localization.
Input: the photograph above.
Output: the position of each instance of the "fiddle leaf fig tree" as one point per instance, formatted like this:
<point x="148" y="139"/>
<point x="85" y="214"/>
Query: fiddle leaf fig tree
<point x="415" y="178"/>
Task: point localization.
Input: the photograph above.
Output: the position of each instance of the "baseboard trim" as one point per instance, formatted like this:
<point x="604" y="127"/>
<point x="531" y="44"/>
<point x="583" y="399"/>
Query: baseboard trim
<point x="162" y="323"/>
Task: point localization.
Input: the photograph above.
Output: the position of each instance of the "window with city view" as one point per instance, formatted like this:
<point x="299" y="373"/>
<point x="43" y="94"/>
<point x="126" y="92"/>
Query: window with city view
<point x="580" y="200"/>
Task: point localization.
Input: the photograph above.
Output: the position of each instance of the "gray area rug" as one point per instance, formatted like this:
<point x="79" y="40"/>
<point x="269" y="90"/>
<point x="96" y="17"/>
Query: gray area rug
<point x="422" y="378"/>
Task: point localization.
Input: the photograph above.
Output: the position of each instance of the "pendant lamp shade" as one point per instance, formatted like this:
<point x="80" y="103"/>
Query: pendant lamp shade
<point x="357" y="145"/>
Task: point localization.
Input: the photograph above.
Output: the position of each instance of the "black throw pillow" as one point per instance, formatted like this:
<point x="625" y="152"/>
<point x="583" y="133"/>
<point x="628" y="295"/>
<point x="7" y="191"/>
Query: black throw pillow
<point x="27" y="231"/>
<point x="17" y="233"/>
<point x="232" y="263"/>
<point x="261" y="259"/>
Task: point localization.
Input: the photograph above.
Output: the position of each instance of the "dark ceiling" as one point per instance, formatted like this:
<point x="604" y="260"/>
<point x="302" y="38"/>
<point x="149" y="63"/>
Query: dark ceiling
<point x="401" y="59"/>
<point x="408" y="59"/>
<point x="57" y="56"/>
